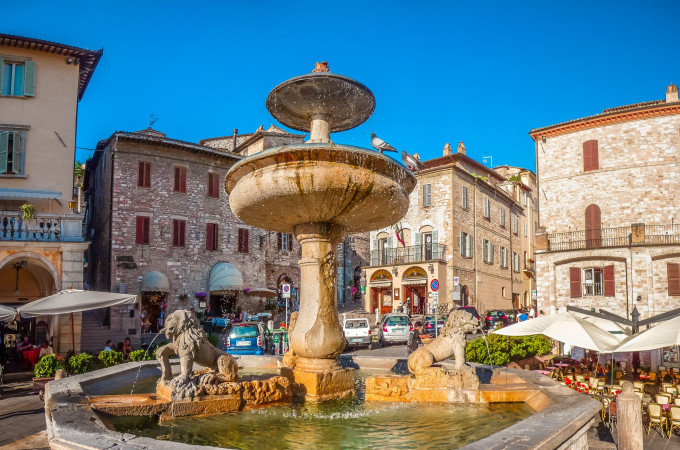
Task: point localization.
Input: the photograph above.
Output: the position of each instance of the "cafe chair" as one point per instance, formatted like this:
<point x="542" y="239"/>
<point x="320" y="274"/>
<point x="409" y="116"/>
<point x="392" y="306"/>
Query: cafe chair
<point x="638" y="386"/>
<point x="656" y="418"/>
<point x="675" y="420"/>
<point x="677" y="402"/>
<point x="663" y="399"/>
<point x="671" y="390"/>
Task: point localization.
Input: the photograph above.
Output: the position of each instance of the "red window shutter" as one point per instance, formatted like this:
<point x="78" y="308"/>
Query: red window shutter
<point x="241" y="241"/>
<point x="590" y="156"/>
<point x="177" y="176"/>
<point x="673" y="279"/>
<point x="575" y="282"/>
<point x="215" y="183"/>
<point x="245" y="241"/>
<point x="182" y="232"/>
<point x="175" y="233"/>
<point x="183" y="180"/>
<point x="593" y="224"/>
<point x="140" y="174"/>
<point x="147" y="222"/>
<point x="210" y="185"/>
<point x="147" y="174"/>
<point x="609" y="285"/>
<point x="209" y="243"/>
<point x="139" y="237"/>
<point x="279" y="238"/>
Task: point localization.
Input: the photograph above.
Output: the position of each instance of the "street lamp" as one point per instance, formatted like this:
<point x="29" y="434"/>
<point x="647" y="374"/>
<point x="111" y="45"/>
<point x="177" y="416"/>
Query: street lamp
<point x="636" y="317"/>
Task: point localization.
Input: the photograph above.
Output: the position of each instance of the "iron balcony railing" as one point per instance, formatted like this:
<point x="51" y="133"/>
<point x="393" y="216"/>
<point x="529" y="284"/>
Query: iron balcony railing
<point x="592" y="289"/>
<point x="614" y="237"/>
<point x="406" y="255"/>
<point x="43" y="227"/>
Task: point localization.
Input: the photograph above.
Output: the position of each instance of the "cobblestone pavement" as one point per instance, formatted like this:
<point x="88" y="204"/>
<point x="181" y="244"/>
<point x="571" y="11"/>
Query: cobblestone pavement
<point x="22" y="414"/>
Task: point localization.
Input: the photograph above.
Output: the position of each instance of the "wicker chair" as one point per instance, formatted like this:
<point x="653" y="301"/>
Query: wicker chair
<point x="675" y="420"/>
<point x="656" y="417"/>
<point x="663" y="399"/>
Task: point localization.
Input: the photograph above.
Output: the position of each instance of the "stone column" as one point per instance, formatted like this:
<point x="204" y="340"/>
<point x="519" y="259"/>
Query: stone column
<point x="320" y="131"/>
<point x="629" y="418"/>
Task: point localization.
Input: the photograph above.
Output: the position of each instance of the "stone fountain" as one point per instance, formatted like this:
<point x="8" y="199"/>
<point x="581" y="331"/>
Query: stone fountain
<point x="319" y="191"/>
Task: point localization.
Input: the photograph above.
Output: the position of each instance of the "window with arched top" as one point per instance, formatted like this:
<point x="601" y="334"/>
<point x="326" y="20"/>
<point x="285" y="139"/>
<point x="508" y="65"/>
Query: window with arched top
<point x="593" y="227"/>
<point x="590" y="156"/>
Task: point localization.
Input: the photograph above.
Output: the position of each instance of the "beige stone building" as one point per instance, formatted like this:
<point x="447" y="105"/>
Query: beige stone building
<point x="609" y="208"/>
<point x="464" y="228"/>
<point x="41" y="84"/>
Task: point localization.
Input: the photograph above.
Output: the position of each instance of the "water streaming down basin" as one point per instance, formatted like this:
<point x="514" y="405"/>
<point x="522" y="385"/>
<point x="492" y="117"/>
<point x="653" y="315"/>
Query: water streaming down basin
<point x="345" y="423"/>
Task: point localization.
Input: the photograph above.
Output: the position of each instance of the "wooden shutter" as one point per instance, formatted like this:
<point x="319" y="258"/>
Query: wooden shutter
<point x="470" y="246"/>
<point x="140" y="174"/>
<point x="214" y="189"/>
<point x="2" y="67"/>
<point x="177" y="176"/>
<point x="491" y="251"/>
<point x="139" y="237"/>
<point x="182" y="232"/>
<point x="590" y="156"/>
<point x="175" y="233"/>
<point x="183" y="179"/>
<point x="147" y="174"/>
<point x="245" y="240"/>
<point x="609" y="285"/>
<point x="575" y="282"/>
<point x="209" y="242"/>
<point x="4" y="148"/>
<point x="279" y="241"/>
<point x="29" y="78"/>
<point x="593" y="221"/>
<point x="673" y="279"/>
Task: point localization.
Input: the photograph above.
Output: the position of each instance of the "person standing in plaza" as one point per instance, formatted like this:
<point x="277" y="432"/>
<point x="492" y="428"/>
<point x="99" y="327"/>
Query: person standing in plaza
<point x="414" y="338"/>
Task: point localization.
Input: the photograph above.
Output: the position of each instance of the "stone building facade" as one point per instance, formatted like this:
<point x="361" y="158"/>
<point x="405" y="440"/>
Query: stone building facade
<point x="41" y="84"/>
<point x="161" y="226"/>
<point x="464" y="228"/>
<point x="608" y="209"/>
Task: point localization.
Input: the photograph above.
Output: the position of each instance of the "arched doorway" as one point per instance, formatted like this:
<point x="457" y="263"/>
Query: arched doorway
<point x="224" y="284"/>
<point x="381" y="291"/>
<point x="154" y="292"/>
<point x="414" y="285"/>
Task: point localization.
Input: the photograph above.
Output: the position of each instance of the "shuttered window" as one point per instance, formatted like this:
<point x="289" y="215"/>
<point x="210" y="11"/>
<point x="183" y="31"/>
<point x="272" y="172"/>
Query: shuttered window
<point x="243" y="240"/>
<point x="17" y="78"/>
<point x="590" y="156"/>
<point x="180" y="184"/>
<point x="465" y="243"/>
<point x="142" y="235"/>
<point x="673" y="279"/>
<point x="211" y="236"/>
<point x="144" y="174"/>
<point x="515" y="223"/>
<point x="213" y="185"/>
<point x="427" y="195"/>
<point x="593" y="222"/>
<point x="12" y="152"/>
<point x="609" y="284"/>
<point x="575" y="282"/>
<point x="178" y="233"/>
<point x="284" y="241"/>
<point x="464" y="202"/>
<point x="502" y="216"/>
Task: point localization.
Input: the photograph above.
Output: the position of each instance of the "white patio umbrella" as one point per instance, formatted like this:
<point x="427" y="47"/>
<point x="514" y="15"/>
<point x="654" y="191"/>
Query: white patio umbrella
<point x="568" y="328"/>
<point x="665" y="334"/>
<point x="7" y="313"/>
<point x="261" y="292"/>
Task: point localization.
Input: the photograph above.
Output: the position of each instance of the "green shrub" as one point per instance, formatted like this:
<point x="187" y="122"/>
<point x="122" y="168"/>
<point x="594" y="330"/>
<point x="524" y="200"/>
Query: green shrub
<point x="80" y="364"/>
<point x="139" y="355"/>
<point x="48" y="366"/>
<point x="110" y="358"/>
<point x="506" y="349"/>
<point x="214" y="339"/>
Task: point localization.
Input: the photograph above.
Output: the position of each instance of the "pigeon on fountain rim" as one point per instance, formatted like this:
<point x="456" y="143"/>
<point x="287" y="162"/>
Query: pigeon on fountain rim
<point x="381" y="145"/>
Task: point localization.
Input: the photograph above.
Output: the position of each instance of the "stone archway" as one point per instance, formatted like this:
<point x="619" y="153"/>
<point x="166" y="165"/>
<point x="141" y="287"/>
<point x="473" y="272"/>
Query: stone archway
<point x="37" y="277"/>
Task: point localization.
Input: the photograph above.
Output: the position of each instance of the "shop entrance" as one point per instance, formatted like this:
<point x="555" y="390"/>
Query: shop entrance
<point x="223" y="303"/>
<point x="416" y="298"/>
<point x="381" y="297"/>
<point x="153" y="311"/>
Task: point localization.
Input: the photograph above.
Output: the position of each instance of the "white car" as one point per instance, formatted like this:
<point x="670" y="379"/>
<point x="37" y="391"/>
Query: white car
<point x="357" y="332"/>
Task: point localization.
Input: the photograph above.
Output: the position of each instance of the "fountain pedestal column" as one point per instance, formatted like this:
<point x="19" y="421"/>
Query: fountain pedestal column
<point x="317" y="338"/>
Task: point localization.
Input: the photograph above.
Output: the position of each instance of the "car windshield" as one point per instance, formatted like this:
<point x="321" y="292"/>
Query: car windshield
<point x="243" y="332"/>
<point x="496" y="313"/>
<point x="397" y="320"/>
<point x="356" y="324"/>
<point x="439" y="319"/>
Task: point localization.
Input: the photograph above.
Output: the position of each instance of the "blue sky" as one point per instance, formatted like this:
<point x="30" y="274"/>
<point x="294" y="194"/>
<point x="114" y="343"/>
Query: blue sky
<point x="481" y="72"/>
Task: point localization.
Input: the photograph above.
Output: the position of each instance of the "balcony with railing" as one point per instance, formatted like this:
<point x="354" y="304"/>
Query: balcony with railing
<point x="634" y="235"/>
<point x="43" y="227"/>
<point x="407" y="255"/>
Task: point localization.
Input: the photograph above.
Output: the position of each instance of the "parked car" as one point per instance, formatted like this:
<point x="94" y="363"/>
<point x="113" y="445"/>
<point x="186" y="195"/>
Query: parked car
<point x="512" y="315"/>
<point x="394" y="328"/>
<point x="249" y="339"/>
<point x="357" y="333"/>
<point x="429" y="324"/>
<point x="472" y="310"/>
<point x="494" y="318"/>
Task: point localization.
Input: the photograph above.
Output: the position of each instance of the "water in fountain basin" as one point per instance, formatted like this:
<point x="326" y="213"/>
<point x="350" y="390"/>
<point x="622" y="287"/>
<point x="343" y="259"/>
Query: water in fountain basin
<point x="132" y="390"/>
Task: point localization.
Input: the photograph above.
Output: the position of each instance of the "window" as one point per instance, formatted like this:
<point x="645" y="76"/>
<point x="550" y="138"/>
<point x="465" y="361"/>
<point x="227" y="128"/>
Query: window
<point x="524" y="198"/>
<point x="211" y="236"/>
<point x="673" y="271"/>
<point x="285" y="241"/>
<point x="525" y="229"/>
<point x="515" y="223"/>
<point x="487" y="251"/>
<point x="427" y="195"/>
<point x="592" y="281"/>
<point x="12" y="152"/>
<point x="503" y="292"/>
<point x="590" y="156"/>
<point x="502" y="216"/>
<point x="213" y="185"/>
<point x="144" y="174"/>
<point x="17" y="78"/>
<point x="593" y="224"/>
<point x="516" y="263"/>
<point x="575" y="282"/>
<point x="142" y="236"/>
<point x="243" y="240"/>
<point x="178" y="232"/>
<point x="503" y="256"/>
<point x="180" y="180"/>
<point x="466" y="245"/>
<point x="487" y="208"/>
<point x="464" y="203"/>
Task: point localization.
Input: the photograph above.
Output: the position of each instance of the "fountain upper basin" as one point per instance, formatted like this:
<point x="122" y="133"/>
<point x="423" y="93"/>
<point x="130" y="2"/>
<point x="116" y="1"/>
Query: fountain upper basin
<point x="356" y="188"/>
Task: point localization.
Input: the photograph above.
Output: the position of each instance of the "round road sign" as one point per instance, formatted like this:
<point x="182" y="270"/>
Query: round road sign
<point x="434" y="284"/>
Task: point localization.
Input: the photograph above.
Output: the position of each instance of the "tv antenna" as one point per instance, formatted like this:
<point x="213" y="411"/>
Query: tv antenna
<point x="152" y="119"/>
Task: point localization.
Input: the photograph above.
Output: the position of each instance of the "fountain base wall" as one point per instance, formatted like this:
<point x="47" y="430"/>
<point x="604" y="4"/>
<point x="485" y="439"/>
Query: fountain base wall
<point x="320" y="385"/>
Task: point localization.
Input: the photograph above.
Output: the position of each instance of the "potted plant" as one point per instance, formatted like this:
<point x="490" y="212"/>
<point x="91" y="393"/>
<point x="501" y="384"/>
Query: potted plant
<point x="27" y="211"/>
<point x="45" y="370"/>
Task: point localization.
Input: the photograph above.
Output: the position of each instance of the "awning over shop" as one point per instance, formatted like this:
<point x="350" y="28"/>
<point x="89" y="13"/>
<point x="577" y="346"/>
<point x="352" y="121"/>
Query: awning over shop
<point x="10" y="193"/>
<point x="72" y="301"/>
<point x="155" y="282"/>
<point x="7" y="313"/>
<point x="381" y="283"/>
<point x="414" y="281"/>
<point x="225" y="277"/>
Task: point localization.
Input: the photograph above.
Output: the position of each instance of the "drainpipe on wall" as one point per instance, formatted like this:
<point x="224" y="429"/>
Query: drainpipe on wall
<point x="474" y="240"/>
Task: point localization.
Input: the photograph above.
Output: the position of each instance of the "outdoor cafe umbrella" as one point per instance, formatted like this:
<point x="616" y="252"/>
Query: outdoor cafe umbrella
<point x="7" y="313"/>
<point x="568" y="328"/>
<point x="72" y="301"/>
<point x="666" y="334"/>
<point x="261" y="292"/>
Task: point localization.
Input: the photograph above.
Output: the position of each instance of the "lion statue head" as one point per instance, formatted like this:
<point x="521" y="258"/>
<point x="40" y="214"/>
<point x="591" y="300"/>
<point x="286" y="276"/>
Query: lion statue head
<point x="184" y="329"/>
<point x="460" y="322"/>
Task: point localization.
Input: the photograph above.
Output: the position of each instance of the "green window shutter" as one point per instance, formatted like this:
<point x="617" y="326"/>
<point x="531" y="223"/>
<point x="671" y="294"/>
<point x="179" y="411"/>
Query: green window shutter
<point x="2" y="70"/>
<point x="491" y="251"/>
<point x="461" y="243"/>
<point x="18" y="157"/>
<point x="29" y="78"/>
<point x="4" y="144"/>
<point x="470" y="247"/>
<point x="389" y="242"/>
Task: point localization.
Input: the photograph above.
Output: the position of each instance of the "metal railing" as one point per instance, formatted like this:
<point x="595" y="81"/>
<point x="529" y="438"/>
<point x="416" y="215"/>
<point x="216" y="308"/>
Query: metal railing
<point x="43" y="227"/>
<point x="529" y="267"/>
<point x="592" y="289"/>
<point x="405" y="255"/>
<point x="662" y="234"/>
<point x="614" y="237"/>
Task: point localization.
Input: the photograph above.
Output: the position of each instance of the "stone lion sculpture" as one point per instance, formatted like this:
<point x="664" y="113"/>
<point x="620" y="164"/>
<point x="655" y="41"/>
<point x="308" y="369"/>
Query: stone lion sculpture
<point x="190" y="343"/>
<point x="450" y="342"/>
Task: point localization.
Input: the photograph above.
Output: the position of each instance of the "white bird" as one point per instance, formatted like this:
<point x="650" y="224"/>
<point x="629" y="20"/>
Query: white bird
<point x="411" y="162"/>
<point x="381" y="145"/>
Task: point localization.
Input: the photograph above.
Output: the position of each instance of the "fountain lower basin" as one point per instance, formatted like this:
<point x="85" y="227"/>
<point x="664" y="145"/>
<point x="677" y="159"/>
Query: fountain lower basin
<point x="560" y="415"/>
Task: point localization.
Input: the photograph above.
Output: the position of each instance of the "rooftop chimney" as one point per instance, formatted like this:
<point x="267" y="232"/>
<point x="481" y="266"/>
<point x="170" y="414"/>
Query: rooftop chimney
<point x="461" y="147"/>
<point x="233" y="145"/>
<point x="671" y="93"/>
<point x="447" y="149"/>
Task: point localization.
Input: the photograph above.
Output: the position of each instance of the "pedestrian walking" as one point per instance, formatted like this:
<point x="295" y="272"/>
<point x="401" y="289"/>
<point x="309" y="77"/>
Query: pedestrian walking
<point x="414" y="338"/>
